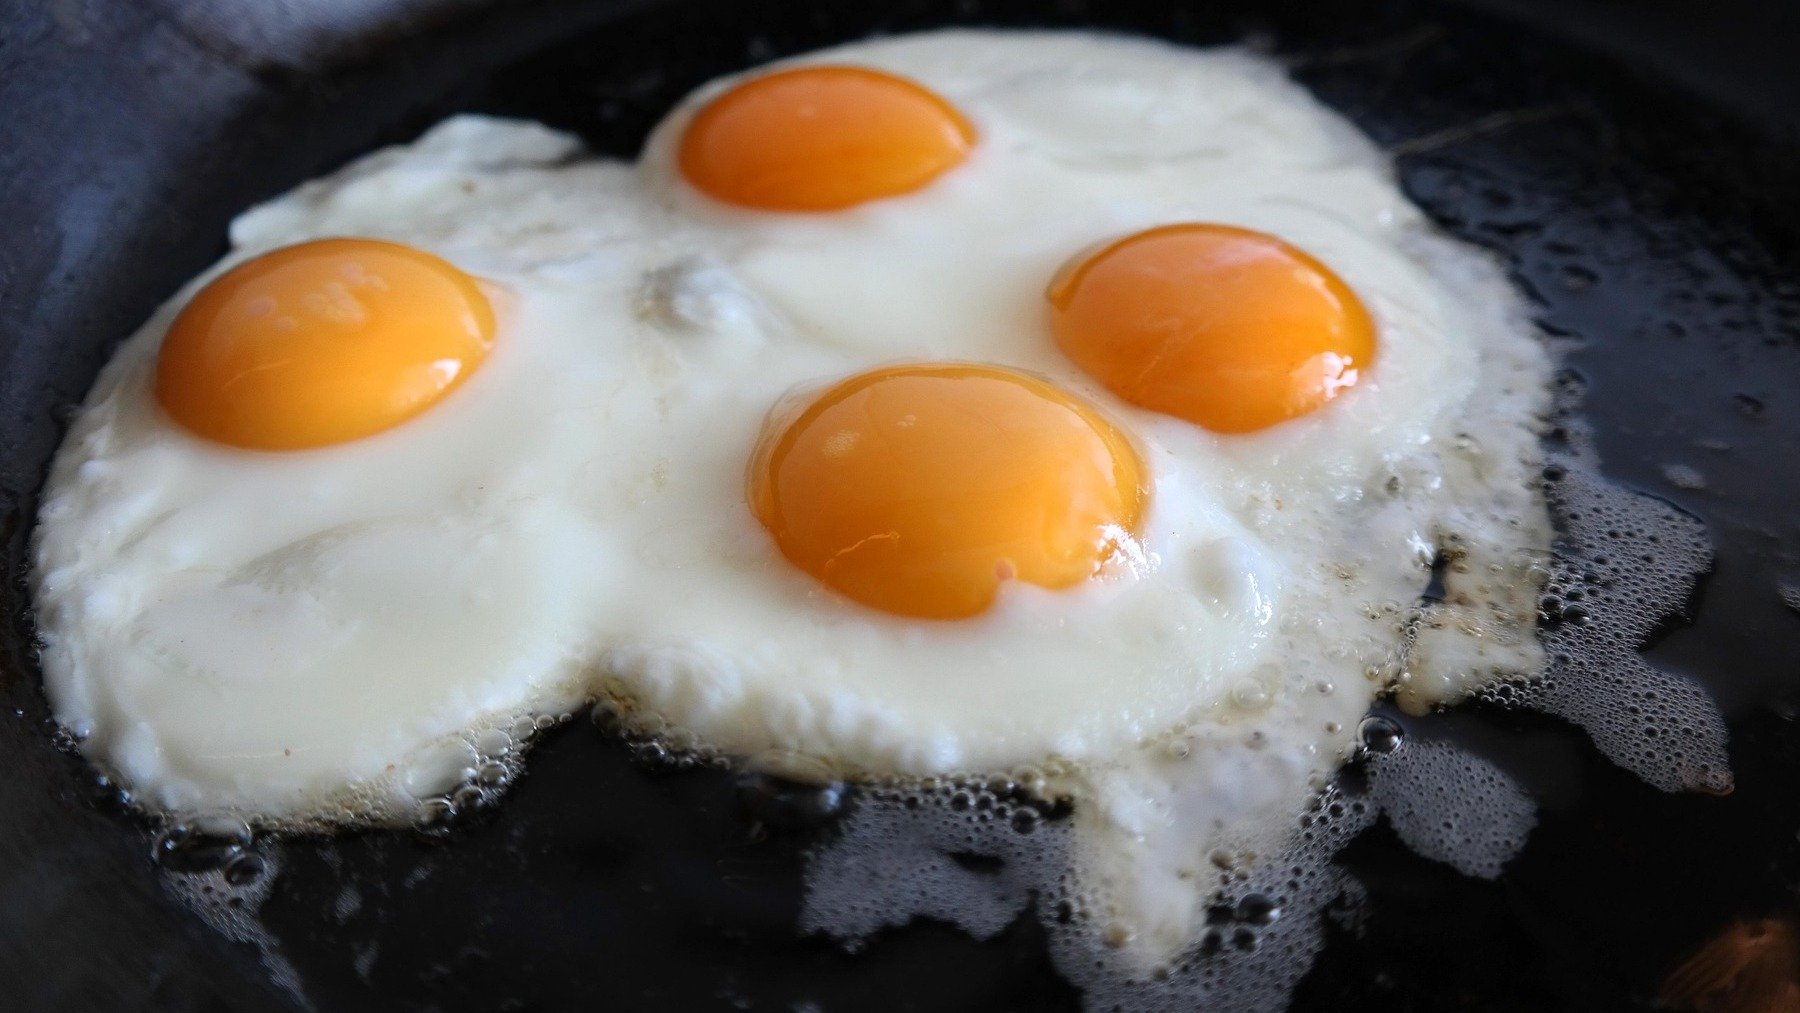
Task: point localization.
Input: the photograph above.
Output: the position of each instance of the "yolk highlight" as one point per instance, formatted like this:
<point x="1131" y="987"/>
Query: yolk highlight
<point x="1230" y="329"/>
<point x="920" y="489"/>
<point x="822" y="139"/>
<point x="321" y="343"/>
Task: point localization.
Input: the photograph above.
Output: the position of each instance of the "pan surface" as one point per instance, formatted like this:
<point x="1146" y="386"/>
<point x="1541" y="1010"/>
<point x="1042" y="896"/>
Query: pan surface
<point x="1644" y="186"/>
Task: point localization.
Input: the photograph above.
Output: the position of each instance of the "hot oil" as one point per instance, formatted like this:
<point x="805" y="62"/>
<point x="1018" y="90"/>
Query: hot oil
<point x="902" y="857"/>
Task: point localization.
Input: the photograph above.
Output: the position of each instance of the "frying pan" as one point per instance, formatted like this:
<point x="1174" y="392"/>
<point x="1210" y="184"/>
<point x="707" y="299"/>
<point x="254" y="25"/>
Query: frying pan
<point x="1634" y="163"/>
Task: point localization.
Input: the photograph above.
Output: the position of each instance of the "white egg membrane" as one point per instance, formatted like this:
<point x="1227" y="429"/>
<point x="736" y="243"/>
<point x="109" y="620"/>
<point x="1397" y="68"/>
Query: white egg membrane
<point x="333" y="634"/>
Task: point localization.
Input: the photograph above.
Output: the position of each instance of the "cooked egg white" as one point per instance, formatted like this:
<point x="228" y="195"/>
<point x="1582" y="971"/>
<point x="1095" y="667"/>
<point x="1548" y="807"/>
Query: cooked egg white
<point x="328" y="632"/>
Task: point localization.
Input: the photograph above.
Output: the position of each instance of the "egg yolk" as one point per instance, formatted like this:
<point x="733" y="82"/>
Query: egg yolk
<point x="920" y="489"/>
<point x="1230" y="329"/>
<point x="320" y="343"/>
<point x="821" y="139"/>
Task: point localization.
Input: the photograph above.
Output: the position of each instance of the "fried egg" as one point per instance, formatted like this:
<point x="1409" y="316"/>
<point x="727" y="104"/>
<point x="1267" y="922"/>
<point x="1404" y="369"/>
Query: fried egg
<point x="969" y="401"/>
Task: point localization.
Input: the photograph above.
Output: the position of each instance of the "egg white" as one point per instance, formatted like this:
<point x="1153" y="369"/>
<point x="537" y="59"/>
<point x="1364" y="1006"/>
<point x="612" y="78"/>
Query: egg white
<point x="327" y="633"/>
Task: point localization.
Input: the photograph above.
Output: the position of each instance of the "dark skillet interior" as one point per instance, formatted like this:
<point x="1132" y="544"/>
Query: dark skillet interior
<point x="1658" y="228"/>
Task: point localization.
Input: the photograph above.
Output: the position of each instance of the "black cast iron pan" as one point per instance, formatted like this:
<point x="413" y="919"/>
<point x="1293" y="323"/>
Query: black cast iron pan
<point x="1635" y="163"/>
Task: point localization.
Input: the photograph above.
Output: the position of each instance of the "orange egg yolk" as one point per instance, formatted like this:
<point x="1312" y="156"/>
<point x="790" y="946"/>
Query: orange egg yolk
<point x="821" y="139"/>
<point x="320" y="343"/>
<point x="920" y="489"/>
<point x="1227" y="328"/>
